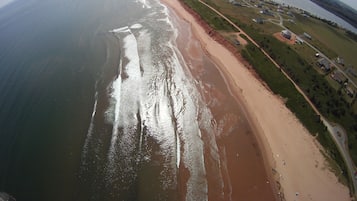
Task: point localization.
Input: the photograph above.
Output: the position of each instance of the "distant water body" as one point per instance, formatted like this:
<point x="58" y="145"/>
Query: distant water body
<point x="318" y="11"/>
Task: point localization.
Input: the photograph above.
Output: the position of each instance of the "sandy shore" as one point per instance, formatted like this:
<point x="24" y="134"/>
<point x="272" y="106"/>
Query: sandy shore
<point x="290" y="150"/>
<point x="242" y="168"/>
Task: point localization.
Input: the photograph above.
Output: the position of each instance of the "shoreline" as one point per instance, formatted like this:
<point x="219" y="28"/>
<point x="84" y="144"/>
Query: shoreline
<point x="238" y="148"/>
<point x="278" y="132"/>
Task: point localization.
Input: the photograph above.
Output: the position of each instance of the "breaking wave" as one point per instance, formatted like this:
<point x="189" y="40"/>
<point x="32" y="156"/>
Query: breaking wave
<point x="91" y="126"/>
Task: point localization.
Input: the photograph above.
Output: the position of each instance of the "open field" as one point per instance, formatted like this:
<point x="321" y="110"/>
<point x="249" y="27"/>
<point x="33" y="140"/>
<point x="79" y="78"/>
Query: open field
<point x="296" y="28"/>
<point x="243" y="16"/>
<point x="309" y="55"/>
<point x="215" y="21"/>
<point x="332" y="41"/>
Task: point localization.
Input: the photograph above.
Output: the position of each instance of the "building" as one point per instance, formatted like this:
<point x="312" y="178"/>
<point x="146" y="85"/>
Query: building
<point x="305" y="14"/>
<point x="260" y="5"/>
<point x="299" y="40"/>
<point x="340" y="61"/>
<point x="290" y="14"/>
<point x="350" y="91"/>
<point x="324" y="64"/>
<point x="338" y="77"/>
<point x="235" y="3"/>
<point x="352" y="71"/>
<point x="266" y="12"/>
<point x="307" y="36"/>
<point x="258" y="20"/>
<point x="286" y="34"/>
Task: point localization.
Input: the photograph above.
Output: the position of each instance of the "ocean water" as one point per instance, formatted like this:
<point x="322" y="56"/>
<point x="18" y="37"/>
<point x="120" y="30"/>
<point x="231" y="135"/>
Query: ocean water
<point x="97" y="102"/>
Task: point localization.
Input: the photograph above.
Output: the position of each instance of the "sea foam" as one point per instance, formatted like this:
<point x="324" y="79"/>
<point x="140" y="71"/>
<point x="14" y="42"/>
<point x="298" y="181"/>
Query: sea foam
<point x="120" y="30"/>
<point x="124" y="107"/>
<point x="136" y="26"/>
<point x="145" y="3"/>
<point x="90" y="129"/>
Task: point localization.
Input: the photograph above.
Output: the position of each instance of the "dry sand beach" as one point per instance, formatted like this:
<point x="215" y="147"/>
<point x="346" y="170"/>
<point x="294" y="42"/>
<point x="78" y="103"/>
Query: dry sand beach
<point x="288" y="147"/>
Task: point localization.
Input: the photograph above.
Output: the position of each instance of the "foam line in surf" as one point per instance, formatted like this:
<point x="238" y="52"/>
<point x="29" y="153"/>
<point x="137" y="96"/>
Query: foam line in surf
<point x="145" y="3"/>
<point x="124" y="91"/>
<point x="136" y="26"/>
<point x="116" y="96"/>
<point x="115" y="103"/>
<point x="90" y="128"/>
<point x="120" y="30"/>
<point x="189" y="130"/>
<point x="159" y="83"/>
<point x="167" y="18"/>
<point x="95" y="105"/>
<point x="131" y="53"/>
<point x="178" y="151"/>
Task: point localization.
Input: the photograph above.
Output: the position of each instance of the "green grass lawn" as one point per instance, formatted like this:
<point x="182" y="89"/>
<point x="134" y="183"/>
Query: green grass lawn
<point x="309" y="55"/>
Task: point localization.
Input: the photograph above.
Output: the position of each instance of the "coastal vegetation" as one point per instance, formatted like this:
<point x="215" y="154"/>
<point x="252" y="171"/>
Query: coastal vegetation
<point x="215" y="21"/>
<point x="324" y="97"/>
<point x="327" y="99"/>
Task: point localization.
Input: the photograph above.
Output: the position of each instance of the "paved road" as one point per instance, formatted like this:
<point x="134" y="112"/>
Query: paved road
<point x="334" y="130"/>
<point x="340" y="138"/>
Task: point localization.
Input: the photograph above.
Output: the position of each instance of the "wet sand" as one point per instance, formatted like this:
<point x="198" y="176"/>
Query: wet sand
<point x="300" y="171"/>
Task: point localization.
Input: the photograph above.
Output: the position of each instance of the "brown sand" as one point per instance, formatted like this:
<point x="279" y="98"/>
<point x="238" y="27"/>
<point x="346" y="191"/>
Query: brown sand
<point x="289" y="148"/>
